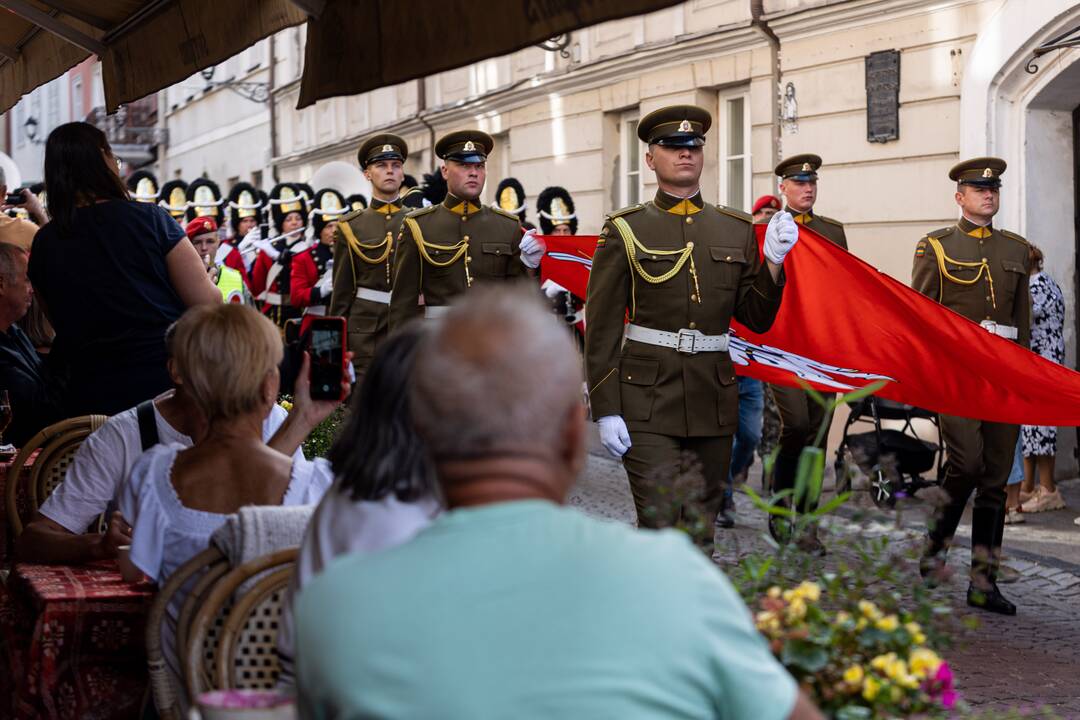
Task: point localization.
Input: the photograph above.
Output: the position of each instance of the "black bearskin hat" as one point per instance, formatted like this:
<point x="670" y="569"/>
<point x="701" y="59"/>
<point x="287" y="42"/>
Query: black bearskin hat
<point x="174" y="199"/>
<point x="434" y="187"/>
<point x="556" y="207"/>
<point x="510" y="197"/>
<point x="244" y="201"/>
<point x="355" y="202"/>
<point x="143" y="186"/>
<point x="285" y="198"/>
<point x="329" y="206"/>
<point x="204" y="200"/>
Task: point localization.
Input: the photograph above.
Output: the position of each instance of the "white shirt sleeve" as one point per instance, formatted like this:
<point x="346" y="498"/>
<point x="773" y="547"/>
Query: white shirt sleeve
<point x="273" y="422"/>
<point x="91" y="482"/>
<point x="140" y="505"/>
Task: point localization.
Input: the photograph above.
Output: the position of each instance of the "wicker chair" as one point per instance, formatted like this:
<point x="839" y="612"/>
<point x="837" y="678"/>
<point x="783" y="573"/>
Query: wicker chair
<point x="162" y="687"/>
<point x="221" y="614"/>
<point x="58" y="444"/>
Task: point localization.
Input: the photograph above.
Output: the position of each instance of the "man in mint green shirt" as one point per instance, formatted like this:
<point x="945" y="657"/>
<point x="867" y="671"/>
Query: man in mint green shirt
<point x="511" y="605"/>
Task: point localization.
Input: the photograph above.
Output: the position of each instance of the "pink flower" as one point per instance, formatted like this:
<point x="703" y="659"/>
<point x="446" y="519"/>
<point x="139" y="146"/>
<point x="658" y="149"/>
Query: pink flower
<point x="940" y="687"/>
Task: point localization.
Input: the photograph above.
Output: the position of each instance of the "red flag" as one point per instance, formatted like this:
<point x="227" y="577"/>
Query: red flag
<point x="843" y="324"/>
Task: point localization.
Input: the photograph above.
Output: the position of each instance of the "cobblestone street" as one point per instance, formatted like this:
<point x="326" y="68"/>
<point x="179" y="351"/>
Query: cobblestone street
<point x="1026" y="661"/>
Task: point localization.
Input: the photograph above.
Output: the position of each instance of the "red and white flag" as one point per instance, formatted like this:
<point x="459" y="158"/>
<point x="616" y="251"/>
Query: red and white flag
<point x="843" y="324"/>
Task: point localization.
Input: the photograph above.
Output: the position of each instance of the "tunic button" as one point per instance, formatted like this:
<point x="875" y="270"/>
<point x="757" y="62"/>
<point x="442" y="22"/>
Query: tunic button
<point x="387" y="218"/>
<point x="693" y="325"/>
<point x="693" y="298"/>
<point x="728" y="258"/>
<point x="984" y="259"/>
<point x="653" y="257"/>
<point x="629" y="377"/>
<point x="689" y="220"/>
<point x="465" y="238"/>
<point x="463" y="218"/>
<point x="987" y="300"/>
<point x="468" y="258"/>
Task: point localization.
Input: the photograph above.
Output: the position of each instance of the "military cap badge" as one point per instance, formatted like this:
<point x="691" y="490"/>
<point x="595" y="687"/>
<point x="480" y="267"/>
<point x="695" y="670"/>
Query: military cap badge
<point x="685" y="126"/>
<point x="988" y="173"/>
<point x="470" y="146"/>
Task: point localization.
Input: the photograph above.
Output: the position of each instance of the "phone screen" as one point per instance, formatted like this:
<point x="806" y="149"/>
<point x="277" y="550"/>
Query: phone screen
<point x="326" y="362"/>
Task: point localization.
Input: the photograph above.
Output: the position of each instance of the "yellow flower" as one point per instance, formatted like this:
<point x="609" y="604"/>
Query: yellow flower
<point x="916" y="633"/>
<point x="854" y="675"/>
<point x="842" y="618"/>
<point x="896" y="669"/>
<point x="774" y="592"/>
<point x="888" y="623"/>
<point x="924" y="662"/>
<point x="767" y="621"/>
<point x="797" y="609"/>
<point x="870" y="688"/>
<point x="286" y="405"/>
<point x="882" y="661"/>
<point x="869" y="610"/>
<point x="809" y="591"/>
<point x="861" y="624"/>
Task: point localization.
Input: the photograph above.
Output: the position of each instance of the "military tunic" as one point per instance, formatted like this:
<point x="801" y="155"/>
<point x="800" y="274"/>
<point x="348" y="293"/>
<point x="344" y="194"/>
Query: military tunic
<point x="445" y="249"/>
<point x="363" y="261"/>
<point x="981" y="273"/>
<point x="673" y="402"/>
<point x="800" y="416"/>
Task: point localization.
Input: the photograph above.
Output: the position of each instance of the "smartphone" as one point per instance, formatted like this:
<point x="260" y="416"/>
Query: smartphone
<point x="14" y="199"/>
<point x="326" y="346"/>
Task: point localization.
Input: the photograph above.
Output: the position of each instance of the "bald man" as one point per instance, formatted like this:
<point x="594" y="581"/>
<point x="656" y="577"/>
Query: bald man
<point x="493" y="591"/>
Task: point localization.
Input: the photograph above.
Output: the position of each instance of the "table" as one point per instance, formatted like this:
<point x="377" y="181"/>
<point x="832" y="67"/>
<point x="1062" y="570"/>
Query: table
<point x="73" y="640"/>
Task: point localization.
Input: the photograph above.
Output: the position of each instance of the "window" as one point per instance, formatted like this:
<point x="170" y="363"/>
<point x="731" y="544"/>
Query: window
<point x="734" y="135"/>
<point x="630" y="160"/>
<point x="256" y="179"/>
<point x="52" y="104"/>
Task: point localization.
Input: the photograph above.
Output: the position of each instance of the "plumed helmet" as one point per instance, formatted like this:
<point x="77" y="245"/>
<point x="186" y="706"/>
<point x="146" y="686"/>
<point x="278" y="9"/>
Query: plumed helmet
<point x="174" y="199"/>
<point x="204" y="200"/>
<point x="434" y="187"/>
<point x="286" y="198"/>
<point x="329" y="206"/>
<point x="244" y="202"/>
<point x="143" y="186"/>
<point x="556" y="207"/>
<point x="356" y="201"/>
<point x="510" y="197"/>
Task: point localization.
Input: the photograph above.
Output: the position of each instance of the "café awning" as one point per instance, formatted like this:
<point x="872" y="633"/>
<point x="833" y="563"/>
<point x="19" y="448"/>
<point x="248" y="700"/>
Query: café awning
<point x="353" y="45"/>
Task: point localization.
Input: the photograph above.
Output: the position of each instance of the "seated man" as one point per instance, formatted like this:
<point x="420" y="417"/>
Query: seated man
<point x="58" y="533"/>
<point x="511" y="605"/>
<point x="22" y="373"/>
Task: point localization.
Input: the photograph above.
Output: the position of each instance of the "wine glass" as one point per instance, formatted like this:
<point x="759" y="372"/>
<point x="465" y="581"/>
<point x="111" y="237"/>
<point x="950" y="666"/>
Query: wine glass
<point x="5" y="413"/>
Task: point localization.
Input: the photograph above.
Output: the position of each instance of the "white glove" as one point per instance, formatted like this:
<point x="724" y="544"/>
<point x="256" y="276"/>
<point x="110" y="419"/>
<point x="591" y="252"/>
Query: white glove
<point x="780" y="236"/>
<point x="613" y="435"/>
<point x="325" y="285"/>
<point x="532" y="249"/>
<point x="552" y="289"/>
<point x="268" y="247"/>
<point x="247" y="248"/>
<point x="222" y="252"/>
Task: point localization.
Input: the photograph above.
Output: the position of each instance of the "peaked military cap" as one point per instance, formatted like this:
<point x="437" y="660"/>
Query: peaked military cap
<point x="467" y="146"/>
<point x="386" y="146"/>
<point x="980" y="172"/>
<point x="799" y="167"/>
<point x="675" y="126"/>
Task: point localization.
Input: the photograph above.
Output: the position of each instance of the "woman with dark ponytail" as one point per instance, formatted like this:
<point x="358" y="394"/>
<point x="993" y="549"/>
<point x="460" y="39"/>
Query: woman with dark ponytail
<point x="112" y="274"/>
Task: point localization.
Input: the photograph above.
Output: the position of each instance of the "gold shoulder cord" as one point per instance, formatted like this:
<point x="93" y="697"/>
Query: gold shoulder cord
<point x="460" y="248"/>
<point x="943" y="271"/>
<point x="632" y="245"/>
<point x="357" y="249"/>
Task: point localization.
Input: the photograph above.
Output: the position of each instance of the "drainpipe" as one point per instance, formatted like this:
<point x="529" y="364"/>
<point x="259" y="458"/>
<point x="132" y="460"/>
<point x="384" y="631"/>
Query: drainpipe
<point x="273" y="117"/>
<point x="421" y="106"/>
<point x="757" y="11"/>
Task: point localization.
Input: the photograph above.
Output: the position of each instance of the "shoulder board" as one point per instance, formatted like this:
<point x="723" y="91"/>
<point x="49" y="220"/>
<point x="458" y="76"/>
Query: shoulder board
<point x="422" y="211"/>
<point x="500" y="211"/>
<point x="829" y="220"/>
<point x="1013" y="236"/>
<point x="940" y="233"/>
<point x="746" y="217"/>
<point x="625" y="211"/>
<point x="352" y="214"/>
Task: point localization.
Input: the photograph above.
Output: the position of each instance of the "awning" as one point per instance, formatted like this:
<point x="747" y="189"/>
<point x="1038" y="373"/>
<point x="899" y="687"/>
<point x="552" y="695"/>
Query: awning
<point x="353" y="45"/>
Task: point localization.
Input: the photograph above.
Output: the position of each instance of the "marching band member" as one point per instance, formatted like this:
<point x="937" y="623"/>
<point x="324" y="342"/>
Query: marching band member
<point x="271" y="276"/>
<point x="311" y="281"/>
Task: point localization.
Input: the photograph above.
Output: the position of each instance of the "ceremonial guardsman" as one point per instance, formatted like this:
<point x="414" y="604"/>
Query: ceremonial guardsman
<point x="174" y="200"/>
<point x="205" y="200"/>
<point x="143" y="186"/>
<point x="555" y="208"/>
<point x="271" y="276"/>
<point x="680" y="268"/>
<point x="980" y="272"/>
<point x="510" y="197"/>
<point x="203" y="234"/>
<point x="312" y="277"/>
<point x="447" y="248"/>
<point x="364" y="249"/>
<point x="800" y="416"/>
<point x="245" y="210"/>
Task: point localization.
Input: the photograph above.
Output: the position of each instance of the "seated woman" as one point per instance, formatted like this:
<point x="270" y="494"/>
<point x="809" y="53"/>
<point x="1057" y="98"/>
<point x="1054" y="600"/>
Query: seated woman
<point x="175" y="498"/>
<point x="385" y="490"/>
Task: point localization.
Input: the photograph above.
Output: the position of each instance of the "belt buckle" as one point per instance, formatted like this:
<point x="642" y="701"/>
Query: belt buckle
<point x="990" y="326"/>
<point x="687" y="341"/>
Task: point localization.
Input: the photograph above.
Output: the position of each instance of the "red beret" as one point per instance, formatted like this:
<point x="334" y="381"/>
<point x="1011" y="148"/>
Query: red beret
<point x="766" y="201"/>
<point x="200" y="226"/>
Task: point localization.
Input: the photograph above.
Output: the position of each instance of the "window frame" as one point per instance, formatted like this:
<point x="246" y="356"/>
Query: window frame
<point x="628" y="140"/>
<point x="724" y="156"/>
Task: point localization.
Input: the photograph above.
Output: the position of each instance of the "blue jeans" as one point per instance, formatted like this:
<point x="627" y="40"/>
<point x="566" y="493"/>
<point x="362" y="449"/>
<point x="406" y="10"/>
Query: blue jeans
<point x="1016" y="475"/>
<point x="748" y="431"/>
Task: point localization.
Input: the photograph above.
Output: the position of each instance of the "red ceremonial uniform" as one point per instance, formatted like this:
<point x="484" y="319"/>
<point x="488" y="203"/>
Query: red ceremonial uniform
<point x="307" y="269"/>
<point x="235" y="261"/>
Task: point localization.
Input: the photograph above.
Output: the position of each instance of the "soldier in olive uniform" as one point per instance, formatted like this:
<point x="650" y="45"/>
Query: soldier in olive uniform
<point x="800" y="416"/>
<point x="982" y="273"/>
<point x="681" y="268"/>
<point x="364" y="248"/>
<point x="445" y="249"/>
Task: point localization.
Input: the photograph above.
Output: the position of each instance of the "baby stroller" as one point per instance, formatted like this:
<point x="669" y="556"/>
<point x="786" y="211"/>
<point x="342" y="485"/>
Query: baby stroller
<point x="894" y="460"/>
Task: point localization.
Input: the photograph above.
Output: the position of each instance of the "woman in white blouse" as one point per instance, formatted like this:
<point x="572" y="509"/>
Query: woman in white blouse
<point x="227" y="358"/>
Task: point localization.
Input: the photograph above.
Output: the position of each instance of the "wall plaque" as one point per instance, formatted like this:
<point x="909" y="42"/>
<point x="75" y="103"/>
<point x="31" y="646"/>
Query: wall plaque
<point x="883" y="96"/>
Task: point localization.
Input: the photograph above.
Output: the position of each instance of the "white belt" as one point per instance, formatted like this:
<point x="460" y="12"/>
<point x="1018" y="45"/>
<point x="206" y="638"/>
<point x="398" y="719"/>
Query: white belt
<point x="274" y="298"/>
<point x="685" y="341"/>
<point x="1006" y="331"/>
<point x="316" y="310"/>
<point x="378" y="296"/>
<point x="434" y="312"/>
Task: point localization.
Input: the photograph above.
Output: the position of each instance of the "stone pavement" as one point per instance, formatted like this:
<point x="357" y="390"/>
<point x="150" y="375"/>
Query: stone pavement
<point x="1027" y="661"/>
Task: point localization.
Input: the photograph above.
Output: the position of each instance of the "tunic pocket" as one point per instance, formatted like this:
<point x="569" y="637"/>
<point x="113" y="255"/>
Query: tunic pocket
<point x="727" y="266"/>
<point x="637" y="386"/>
<point x="1014" y="273"/>
<point x="496" y="258"/>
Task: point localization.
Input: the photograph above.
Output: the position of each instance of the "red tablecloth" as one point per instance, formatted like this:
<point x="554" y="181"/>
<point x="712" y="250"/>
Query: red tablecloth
<point x="73" y="641"/>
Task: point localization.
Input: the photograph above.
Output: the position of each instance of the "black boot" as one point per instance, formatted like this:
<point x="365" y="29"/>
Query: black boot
<point x="983" y="592"/>
<point x="990" y="599"/>
<point x="726" y="517"/>
<point x="942" y="529"/>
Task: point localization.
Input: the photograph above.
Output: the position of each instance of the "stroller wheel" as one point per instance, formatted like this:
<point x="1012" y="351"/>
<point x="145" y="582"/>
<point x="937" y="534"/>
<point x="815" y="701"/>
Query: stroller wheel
<point x="882" y="489"/>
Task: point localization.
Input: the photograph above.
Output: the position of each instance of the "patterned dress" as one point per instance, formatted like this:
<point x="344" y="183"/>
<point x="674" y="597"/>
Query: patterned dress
<point x="1048" y="340"/>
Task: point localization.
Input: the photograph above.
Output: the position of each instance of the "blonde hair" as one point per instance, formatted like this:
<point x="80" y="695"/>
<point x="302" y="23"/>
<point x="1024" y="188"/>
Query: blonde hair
<point x="223" y="354"/>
